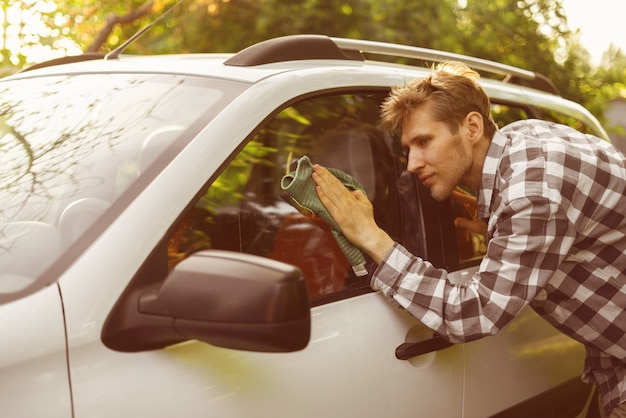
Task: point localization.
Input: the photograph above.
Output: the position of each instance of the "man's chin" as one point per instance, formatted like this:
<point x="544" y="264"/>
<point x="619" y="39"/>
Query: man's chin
<point x="440" y="195"/>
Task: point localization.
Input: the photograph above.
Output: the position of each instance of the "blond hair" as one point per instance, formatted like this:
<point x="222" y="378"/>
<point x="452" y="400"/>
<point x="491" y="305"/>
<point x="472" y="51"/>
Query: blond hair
<point x="452" y="90"/>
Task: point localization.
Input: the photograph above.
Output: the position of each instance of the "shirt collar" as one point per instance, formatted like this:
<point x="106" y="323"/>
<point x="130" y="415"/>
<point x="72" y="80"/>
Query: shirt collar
<point x="490" y="167"/>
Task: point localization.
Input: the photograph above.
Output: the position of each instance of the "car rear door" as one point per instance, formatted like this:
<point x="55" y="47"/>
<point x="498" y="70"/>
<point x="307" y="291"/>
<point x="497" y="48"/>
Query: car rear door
<point x="528" y="369"/>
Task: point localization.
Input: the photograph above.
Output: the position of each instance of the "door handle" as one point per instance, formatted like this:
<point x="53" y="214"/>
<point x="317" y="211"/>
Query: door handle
<point x="407" y="351"/>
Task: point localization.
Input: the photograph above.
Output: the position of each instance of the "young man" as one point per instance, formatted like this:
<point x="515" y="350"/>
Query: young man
<point x="551" y="201"/>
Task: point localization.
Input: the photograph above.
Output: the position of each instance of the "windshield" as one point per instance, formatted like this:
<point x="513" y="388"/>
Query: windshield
<point x="71" y="145"/>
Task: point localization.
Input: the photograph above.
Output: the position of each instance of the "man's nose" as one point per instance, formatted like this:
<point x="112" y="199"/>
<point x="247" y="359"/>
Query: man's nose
<point x="415" y="161"/>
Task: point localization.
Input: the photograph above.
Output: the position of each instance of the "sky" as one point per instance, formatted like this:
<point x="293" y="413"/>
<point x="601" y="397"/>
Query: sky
<point x="600" y="22"/>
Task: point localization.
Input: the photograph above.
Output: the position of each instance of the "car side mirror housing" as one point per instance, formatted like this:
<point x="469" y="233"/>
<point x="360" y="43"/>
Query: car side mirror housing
<point x="226" y="299"/>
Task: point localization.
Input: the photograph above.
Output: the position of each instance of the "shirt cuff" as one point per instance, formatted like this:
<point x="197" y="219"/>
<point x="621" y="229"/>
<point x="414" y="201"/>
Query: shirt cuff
<point x="391" y="268"/>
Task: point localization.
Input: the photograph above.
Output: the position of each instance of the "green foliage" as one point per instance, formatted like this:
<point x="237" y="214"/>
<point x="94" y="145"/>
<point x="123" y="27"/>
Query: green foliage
<point x="531" y="34"/>
<point x="225" y="189"/>
<point x="512" y="32"/>
<point x="607" y="83"/>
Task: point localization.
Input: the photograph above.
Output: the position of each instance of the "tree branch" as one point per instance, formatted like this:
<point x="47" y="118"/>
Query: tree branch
<point x="113" y="20"/>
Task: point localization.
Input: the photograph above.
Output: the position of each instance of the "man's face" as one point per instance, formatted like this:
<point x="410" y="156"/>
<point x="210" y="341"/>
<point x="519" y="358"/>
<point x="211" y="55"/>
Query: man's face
<point x="440" y="159"/>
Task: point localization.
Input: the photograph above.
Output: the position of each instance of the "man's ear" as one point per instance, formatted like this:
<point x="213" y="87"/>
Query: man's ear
<point x="474" y="126"/>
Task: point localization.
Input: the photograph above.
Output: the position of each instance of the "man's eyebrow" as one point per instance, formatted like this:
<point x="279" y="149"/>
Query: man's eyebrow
<point x="417" y="137"/>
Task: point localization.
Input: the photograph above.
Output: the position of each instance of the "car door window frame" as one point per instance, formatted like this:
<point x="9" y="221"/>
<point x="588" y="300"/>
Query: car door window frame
<point x="411" y="232"/>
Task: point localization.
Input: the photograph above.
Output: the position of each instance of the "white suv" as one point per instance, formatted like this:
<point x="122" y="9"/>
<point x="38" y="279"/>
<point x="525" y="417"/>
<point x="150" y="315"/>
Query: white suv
<point x="152" y="266"/>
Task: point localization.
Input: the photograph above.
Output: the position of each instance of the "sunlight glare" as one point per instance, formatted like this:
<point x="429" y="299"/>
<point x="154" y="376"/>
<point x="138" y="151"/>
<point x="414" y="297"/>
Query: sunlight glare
<point x="25" y="30"/>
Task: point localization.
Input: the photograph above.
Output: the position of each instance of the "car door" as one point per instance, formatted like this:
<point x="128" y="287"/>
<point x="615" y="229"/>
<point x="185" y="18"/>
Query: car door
<point x="350" y="366"/>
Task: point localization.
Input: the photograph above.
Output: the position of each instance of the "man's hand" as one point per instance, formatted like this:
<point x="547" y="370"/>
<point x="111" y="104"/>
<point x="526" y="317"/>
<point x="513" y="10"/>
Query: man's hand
<point x="471" y="225"/>
<point x="354" y="214"/>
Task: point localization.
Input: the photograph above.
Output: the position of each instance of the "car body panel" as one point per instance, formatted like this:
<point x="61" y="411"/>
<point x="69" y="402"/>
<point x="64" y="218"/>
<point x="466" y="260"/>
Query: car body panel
<point x="33" y="364"/>
<point x="524" y="360"/>
<point x="351" y="341"/>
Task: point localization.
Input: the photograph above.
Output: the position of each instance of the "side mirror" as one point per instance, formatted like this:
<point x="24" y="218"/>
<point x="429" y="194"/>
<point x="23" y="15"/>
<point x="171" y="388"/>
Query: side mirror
<point x="226" y="299"/>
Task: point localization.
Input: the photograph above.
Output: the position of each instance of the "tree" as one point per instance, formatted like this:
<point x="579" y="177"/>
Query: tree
<point x="114" y="20"/>
<point x="608" y="82"/>
<point x="528" y="34"/>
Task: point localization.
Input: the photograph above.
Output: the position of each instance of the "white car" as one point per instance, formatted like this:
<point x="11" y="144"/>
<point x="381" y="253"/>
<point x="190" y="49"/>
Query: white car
<point x="152" y="266"/>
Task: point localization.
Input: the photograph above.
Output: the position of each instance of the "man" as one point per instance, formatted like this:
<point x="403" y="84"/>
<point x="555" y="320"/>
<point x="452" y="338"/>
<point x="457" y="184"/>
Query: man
<point x="551" y="201"/>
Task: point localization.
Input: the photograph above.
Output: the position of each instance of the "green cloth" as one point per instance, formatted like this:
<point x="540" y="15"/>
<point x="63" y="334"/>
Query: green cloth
<point x="301" y="188"/>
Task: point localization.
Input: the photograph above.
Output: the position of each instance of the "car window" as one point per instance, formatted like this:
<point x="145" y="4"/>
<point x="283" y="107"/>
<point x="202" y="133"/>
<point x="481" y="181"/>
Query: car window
<point x="504" y="114"/>
<point x="246" y="210"/>
<point x="555" y="116"/>
<point x="471" y="245"/>
<point x="69" y="150"/>
<point x="463" y="245"/>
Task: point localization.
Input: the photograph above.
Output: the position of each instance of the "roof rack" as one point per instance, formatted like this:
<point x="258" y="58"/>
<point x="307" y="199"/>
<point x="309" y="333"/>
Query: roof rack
<point x="513" y="75"/>
<point x="292" y="48"/>
<point x="414" y="52"/>
<point x="301" y="47"/>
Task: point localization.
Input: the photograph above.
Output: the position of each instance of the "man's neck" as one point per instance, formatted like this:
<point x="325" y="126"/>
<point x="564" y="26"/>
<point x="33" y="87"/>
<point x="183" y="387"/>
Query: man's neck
<point x="475" y="173"/>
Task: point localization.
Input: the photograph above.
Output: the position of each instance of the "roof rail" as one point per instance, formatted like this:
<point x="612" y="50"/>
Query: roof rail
<point x="414" y="52"/>
<point x="513" y="75"/>
<point x="303" y="47"/>
<point x="291" y="48"/>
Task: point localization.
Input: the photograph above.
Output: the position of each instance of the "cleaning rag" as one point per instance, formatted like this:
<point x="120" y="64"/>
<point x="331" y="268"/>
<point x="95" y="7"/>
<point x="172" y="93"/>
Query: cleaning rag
<point x="301" y="188"/>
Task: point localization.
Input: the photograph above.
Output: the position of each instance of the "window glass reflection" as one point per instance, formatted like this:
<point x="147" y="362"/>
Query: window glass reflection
<point x="70" y="146"/>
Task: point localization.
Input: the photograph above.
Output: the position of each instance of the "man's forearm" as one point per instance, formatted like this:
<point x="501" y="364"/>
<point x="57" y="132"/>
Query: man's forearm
<point x="378" y="245"/>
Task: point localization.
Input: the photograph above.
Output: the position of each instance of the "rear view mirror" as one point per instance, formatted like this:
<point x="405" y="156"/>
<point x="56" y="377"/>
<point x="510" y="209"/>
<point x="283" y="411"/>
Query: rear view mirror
<point x="223" y="298"/>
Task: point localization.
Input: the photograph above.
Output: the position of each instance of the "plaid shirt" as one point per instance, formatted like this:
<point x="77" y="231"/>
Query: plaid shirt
<point x="554" y="201"/>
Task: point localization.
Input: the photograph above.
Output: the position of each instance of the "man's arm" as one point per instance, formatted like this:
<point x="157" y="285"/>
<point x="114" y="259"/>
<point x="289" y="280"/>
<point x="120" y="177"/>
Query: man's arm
<point x="530" y="240"/>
